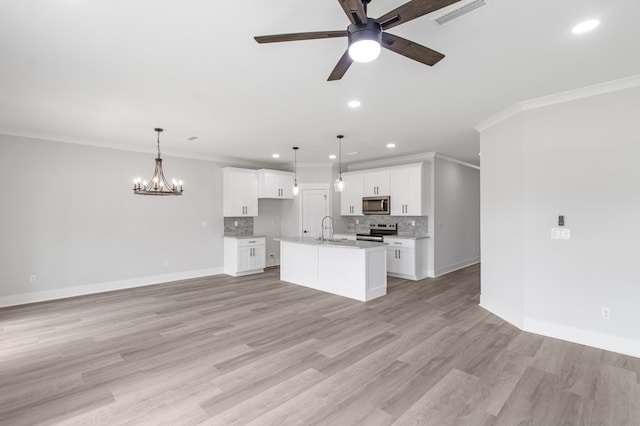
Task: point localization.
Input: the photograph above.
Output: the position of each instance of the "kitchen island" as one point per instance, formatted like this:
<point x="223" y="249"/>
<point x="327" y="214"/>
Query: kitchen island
<point x="354" y="269"/>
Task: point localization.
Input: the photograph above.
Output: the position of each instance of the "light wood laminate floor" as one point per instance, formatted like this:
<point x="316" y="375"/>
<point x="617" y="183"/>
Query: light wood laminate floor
<point x="254" y="350"/>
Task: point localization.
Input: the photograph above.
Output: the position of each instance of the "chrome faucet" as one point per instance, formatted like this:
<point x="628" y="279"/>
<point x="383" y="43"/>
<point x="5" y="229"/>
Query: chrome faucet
<point x="323" y="227"/>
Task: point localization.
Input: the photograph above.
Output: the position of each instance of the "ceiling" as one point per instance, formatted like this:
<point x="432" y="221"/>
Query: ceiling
<point x="107" y="72"/>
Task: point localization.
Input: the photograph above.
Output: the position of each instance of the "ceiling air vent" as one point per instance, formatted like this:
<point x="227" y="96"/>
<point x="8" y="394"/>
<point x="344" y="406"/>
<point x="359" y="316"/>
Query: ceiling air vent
<point x="469" y="7"/>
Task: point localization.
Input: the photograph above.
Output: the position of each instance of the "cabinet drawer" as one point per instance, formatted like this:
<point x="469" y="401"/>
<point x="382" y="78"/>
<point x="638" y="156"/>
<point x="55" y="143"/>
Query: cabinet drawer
<point x="250" y="242"/>
<point x="400" y="242"/>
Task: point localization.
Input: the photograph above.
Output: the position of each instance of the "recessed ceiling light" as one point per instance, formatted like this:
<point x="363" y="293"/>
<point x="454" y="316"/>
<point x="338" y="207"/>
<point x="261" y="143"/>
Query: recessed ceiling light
<point x="332" y="156"/>
<point x="354" y="104"/>
<point x="352" y="153"/>
<point x="585" y="26"/>
<point x="391" y="145"/>
<point x="276" y="155"/>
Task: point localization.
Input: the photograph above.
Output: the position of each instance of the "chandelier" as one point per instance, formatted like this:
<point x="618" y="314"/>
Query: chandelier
<point x="158" y="185"/>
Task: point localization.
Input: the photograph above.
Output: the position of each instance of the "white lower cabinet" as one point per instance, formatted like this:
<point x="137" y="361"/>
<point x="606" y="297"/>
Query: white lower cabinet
<point x="407" y="258"/>
<point x="244" y="255"/>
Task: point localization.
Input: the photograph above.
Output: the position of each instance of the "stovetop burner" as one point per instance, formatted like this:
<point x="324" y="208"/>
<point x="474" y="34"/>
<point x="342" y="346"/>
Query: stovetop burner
<point x="377" y="231"/>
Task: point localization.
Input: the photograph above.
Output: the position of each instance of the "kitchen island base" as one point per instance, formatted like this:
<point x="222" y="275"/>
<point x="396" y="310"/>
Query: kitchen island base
<point x="357" y="272"/>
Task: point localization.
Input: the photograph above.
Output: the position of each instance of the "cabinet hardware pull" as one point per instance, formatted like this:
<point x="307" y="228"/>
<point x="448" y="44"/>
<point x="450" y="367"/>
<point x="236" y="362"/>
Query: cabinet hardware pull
<point x="251" y="242"/>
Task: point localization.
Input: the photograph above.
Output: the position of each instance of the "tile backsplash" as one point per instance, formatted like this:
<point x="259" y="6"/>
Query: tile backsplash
<point x="404" y="224"/>
<point x="244" y="228"/>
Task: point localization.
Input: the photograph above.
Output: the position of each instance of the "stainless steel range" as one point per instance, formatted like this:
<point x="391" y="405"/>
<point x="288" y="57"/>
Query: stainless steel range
<point x="377" y="231"/>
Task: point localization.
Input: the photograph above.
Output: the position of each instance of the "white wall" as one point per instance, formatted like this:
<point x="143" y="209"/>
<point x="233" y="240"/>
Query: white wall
<point x="69" y="216"/>
<point x="502" y="218"/>
<point x="579" y="159"/>
<point x="456" y="206"/>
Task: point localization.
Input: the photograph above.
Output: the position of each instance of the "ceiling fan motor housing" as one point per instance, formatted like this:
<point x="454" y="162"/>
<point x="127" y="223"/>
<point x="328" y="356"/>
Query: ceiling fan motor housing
<point x="369" y="31"/>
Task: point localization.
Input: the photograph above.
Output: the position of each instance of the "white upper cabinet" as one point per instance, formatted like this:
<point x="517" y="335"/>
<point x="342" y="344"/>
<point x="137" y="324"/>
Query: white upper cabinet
<point x="376" y="182"/>
<point x="275" y="184"/>
<point x="351" y="196"/>
<point x="240" y="192"/>
<point x="409" y="195"/>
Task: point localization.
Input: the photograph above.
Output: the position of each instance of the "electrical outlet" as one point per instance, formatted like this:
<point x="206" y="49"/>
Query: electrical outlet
<point x="605" y="312"/>
<point x="235" y="223"/>
<point x="165" y="264"/>
<point x="413" y="223"/>
<point x="204" y="224"/>
<point x="33" y="278"/>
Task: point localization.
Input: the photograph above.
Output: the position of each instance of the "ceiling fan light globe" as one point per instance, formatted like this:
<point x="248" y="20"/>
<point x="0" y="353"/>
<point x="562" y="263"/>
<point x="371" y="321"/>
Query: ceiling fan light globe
<point x="364" y="50"/>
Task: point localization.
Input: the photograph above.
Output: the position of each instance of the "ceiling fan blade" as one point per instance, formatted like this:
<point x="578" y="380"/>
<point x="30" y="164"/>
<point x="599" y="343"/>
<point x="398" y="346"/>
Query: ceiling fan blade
<point x="354" y="10"/>
<point x="341" y="67"/>
<point x="411" y="50"/>
<point x="300" y="36"/>
<point x="411" y="10"/>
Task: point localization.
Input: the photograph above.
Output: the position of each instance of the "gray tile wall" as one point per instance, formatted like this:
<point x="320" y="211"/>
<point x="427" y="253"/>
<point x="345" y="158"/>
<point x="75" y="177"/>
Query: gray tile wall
<point x="244" y="228"/>
<point x="404" y="224"/>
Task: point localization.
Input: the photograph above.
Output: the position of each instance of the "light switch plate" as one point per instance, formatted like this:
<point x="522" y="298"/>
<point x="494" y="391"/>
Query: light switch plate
<point x="560" y="234"/>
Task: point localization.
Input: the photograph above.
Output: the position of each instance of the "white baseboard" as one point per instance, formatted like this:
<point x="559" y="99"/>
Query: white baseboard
<point x="503" y="312"/>
<point x="456" y="266"/>
<point x="581" y="336"/>
<point x="81" y="290"/>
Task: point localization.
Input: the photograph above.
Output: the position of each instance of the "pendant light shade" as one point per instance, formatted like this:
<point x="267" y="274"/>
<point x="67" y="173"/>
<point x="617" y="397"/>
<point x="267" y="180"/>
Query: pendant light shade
<point x="338" y="185"/>
<point x="158" y="184"/>
<point x="295" y="188"/>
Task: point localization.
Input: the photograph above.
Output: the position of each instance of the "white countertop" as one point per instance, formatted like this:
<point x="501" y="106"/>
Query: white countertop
<point x="244" y="237"/>
<point x="406" y="237"/>
<point x="333" y="243"/>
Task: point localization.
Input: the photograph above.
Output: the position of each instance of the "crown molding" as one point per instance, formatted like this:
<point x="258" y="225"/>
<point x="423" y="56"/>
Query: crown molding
<point x="562" y="97"/>
<point x="130" y="148"/>
<point x="453" y="160"/>
<point x="394" y="161"/>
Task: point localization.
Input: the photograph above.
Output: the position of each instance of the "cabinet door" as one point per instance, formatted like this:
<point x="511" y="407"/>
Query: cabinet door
<point x="275" y="184"/>
<point x="240" y="192"/>
<point x="250" y="194"/>
<point x="269" y="185"/>
<point x="407" y="191"/>
<point x="376" y="183"/>
<point x="245" y="259"/>
<point x="258" y="259"/>
<point x="406" y="261"/>
<point x="392" y="259"/>
<point x="401" y="260"/>
<point x="286" y="186"/>
<point x="351" y="197"/>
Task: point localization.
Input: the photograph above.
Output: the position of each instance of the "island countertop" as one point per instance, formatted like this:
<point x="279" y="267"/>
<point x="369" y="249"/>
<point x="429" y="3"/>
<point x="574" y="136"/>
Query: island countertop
<point x="333" y="242"/>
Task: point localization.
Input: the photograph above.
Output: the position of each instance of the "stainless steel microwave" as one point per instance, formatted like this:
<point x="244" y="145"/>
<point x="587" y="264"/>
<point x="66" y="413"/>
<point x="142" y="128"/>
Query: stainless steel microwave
<point x="376" y="205"/>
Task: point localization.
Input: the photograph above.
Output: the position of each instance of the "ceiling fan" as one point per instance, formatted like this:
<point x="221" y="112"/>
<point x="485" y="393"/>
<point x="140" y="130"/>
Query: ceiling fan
<point x="366" y="35"/>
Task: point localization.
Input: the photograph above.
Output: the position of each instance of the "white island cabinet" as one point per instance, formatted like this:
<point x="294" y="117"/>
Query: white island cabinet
<point x="354" y="269"/>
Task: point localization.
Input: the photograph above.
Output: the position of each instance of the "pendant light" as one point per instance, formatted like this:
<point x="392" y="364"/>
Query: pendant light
<point x="158" y="185"/>
<point x="295" y="189"/>
<point x="338" y="185"/>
